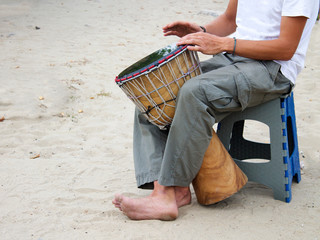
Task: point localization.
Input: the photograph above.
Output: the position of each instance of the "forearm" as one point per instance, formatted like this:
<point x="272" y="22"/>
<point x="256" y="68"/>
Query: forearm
<point x="262" y="50"/>
<point x="277" y="49"/>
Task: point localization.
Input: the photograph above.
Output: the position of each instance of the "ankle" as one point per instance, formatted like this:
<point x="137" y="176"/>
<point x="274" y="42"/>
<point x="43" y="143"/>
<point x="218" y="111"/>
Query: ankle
<point x="163" y="191"/>
<point x="183" y="196"/>
<point x="182" y="190"/>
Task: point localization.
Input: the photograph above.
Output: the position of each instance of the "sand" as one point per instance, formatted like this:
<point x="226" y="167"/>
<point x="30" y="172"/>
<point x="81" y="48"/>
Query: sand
<point x="66" y="129"/>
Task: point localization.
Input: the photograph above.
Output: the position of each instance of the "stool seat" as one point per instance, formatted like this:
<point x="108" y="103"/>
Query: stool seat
<point x="282" y="152"/>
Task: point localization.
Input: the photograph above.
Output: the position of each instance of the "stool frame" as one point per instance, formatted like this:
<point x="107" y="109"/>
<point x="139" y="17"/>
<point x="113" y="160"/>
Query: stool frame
<point x="282" y="152"/>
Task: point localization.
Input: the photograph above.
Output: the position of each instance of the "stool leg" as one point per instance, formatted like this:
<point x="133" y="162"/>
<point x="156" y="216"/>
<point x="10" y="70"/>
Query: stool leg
<point x="292" y="159"/>
<point x="293" y="138"/>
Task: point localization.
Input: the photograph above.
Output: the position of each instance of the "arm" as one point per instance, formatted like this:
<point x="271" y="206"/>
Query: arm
<point x="222" y="26"/>
<point x="281" y="48"/>
<point x="225" y="24"/>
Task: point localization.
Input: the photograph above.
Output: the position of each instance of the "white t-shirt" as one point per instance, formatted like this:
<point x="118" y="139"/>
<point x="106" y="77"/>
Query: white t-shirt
<point x="260" y="20"/>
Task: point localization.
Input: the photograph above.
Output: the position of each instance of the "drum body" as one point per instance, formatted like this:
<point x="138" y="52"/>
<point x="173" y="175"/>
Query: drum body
<point x="154" y="82"/>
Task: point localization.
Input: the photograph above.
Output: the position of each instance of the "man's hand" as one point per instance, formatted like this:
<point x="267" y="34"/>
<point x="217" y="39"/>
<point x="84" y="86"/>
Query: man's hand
<point x="180" y="28"/>
<point x="207" y="43"/>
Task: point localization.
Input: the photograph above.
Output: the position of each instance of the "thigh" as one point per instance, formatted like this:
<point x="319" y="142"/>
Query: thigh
<point x="217" y="61"/>
<point x="261" y="81"/>
<point x="239" y="83"/>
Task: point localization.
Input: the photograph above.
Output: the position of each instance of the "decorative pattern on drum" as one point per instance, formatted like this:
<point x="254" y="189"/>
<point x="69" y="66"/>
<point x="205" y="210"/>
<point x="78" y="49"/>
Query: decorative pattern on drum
<point x="154" y="82"/>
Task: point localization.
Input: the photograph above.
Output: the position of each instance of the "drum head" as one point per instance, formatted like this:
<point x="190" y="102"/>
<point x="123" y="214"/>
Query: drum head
<point x="151" y="60"/>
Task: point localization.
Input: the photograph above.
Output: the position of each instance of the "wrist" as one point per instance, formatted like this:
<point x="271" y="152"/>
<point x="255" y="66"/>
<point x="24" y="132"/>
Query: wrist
<point x="203" y="29"/>
<point x="230" y="45"/>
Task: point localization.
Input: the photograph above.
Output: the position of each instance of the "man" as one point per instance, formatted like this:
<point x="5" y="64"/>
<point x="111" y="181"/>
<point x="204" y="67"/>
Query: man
<point x="260" y="63"/>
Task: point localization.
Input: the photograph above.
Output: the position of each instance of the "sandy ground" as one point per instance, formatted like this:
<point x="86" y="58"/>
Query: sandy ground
<point x="66" y="137"/>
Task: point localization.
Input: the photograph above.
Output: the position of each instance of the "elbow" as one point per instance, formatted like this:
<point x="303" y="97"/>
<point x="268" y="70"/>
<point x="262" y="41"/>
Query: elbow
<point x="287" y="54"/>
<point x="230" y="21"/>
<point x="286" y="57"/>
<point x="287" y="50"/>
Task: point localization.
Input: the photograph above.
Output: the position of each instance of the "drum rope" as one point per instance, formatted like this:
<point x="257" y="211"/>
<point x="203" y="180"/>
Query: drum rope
<point x="165" y="85"/>
<point x="158" y="105"/>
<point x="143" y="88"/>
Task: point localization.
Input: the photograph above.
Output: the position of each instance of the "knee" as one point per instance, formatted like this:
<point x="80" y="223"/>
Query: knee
<point x="189" y="90"/>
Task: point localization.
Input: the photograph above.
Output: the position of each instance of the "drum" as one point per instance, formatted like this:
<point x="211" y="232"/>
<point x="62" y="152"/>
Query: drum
<point x="219" y="176"/>
<point x="154" y="82"/>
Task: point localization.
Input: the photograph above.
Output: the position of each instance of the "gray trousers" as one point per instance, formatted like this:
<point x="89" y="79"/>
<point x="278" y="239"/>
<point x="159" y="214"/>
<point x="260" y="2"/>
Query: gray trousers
<point x="228" y="83"/>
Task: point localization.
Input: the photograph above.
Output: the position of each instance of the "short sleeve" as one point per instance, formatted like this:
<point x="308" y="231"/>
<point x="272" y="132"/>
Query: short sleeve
<point x="295" y="8"/>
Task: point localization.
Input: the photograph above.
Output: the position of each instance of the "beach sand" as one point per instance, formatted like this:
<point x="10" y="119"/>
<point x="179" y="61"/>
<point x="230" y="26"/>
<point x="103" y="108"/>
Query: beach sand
<point x="66" y="129"/>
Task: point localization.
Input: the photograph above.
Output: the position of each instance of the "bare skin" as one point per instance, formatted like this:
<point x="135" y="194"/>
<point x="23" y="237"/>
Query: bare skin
<point x="183" y="196"/>
<point x="162" y="204"/>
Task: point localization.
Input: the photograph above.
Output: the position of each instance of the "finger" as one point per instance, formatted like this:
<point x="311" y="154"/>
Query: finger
<point x="170" y="32"/>
<point x="175" y="33"/>
<point x="194" y="48"/>
<point x="179" y="43"/>
<point x="184" y="42"/>
<point x="171" y="25"/>
<point x="166" y="28"/>
<point x="189" y="41"/>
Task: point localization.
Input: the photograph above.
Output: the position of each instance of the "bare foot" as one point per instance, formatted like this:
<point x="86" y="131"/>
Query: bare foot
<point x="159" y="205"/>
<point x="116" y="203"/>
<point x="183" y="196"/>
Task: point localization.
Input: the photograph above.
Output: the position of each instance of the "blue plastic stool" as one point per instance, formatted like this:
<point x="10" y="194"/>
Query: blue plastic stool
<point x="282" y="152"/>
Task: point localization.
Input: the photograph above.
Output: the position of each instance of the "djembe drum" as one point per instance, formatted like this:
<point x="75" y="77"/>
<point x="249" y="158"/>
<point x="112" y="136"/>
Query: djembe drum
<point x="219" y="177"/>
<point x="153" y="84"/>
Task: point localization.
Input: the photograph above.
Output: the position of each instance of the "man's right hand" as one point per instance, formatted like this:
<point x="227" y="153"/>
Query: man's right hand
<point x="180" y="28"/>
